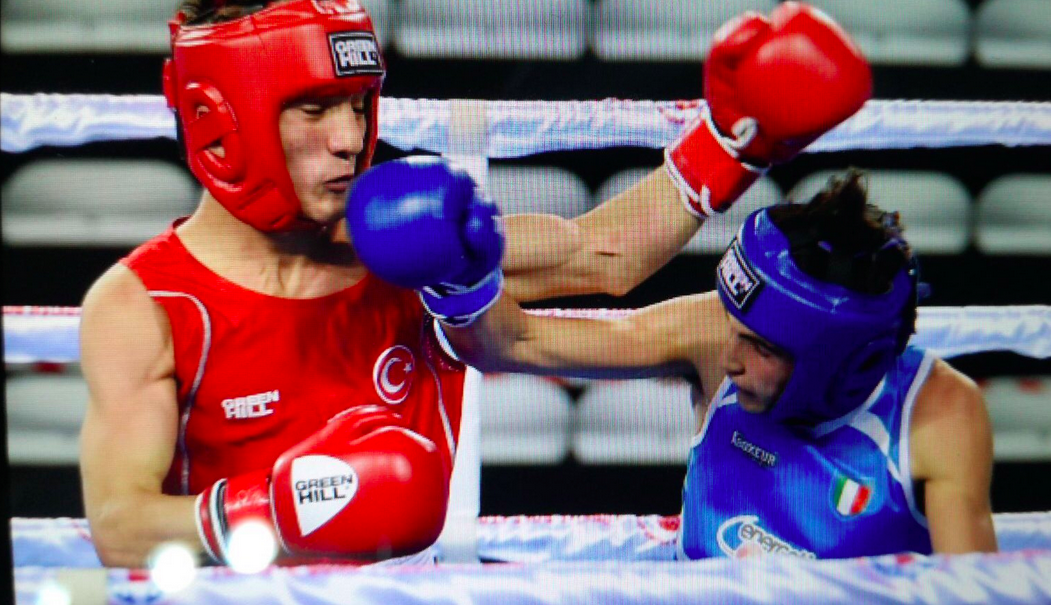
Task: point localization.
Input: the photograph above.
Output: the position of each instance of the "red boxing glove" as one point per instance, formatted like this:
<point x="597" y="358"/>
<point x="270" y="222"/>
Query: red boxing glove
<point x="363" y="487"/>
<point x="772" y="86"/>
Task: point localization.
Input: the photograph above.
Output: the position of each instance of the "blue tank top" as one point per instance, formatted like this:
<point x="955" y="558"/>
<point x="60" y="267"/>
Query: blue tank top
<point x="840" y="489"/>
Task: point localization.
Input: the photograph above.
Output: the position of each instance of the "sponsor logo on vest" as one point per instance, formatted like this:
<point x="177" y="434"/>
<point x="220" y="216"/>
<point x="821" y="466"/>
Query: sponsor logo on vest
<point x="737" y="277"/>
<point x="252" y="406"/>
<point x="392" y="374"/>
<point x="741" y="536"/>
<point x="763" y="457"/>
<point x="323" y="486"/>
<point x="355" y="53"/>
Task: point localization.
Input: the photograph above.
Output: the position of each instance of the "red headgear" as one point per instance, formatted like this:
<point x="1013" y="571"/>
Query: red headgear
<point x="244" y="72"/>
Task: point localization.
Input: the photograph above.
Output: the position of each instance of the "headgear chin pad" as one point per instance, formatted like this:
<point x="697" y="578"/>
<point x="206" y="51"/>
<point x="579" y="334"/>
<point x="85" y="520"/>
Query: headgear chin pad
<point x="842" y="342"/>
<point x="229" y="81"/>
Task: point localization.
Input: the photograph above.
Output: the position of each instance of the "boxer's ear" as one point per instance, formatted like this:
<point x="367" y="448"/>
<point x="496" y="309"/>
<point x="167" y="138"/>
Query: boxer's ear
<point x="216" y="148"/>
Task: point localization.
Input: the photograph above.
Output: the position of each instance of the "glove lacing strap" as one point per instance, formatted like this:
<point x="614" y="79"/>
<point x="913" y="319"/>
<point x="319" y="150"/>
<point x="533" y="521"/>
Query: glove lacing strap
<point x="211" y="521"/>
<point x="702" y="159"/>
<point x="457" y="306"/>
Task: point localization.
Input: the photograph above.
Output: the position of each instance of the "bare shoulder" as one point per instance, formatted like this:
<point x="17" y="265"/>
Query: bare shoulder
<point x="947" y="395"/>
<point x="119" y="298"/>
<point x="121" y="325"/>
<point x="950" y="423"/>
<point x="693" y="322"/>
<point x="118" y="284"/>
<point x="707" y="343"/>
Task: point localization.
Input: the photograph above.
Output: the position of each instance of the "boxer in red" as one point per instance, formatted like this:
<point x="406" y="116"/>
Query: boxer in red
<point x="245" y="364"/>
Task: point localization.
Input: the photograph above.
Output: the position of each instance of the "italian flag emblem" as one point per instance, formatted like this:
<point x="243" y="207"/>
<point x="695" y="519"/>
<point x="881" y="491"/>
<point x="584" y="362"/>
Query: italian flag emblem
<point x="851" y="497"/>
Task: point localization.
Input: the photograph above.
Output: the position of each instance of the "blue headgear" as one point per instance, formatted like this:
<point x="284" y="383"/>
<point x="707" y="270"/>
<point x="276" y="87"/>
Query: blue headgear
<point x="842" y="341"/>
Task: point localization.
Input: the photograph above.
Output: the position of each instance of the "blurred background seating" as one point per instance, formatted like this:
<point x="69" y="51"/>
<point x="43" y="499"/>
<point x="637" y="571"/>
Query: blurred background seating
<point x="1021" y="417"/>
<point x="94" y="202"/>
<point x="64" y="26"/>
<point x="525" y="420"/>
<point x="717" y="231"/>
<point x="634" y="422"/>
<point x="1014" y="216"/>
<point x="669" y="30"/>
<point x="543" y="189"/>
<point x="935" y="208"/>
<point x="904" y="32"/>
<point x="1013" y="34"/>
<point x="493" y="29"/>
<point x="44" y="414"/>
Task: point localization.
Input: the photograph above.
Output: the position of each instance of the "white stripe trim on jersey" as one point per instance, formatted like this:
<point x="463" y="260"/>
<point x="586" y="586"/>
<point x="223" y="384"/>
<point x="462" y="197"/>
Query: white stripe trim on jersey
<point x="831" y="425"/>
<point x="192" y="396"/>
<point x="903" y="439"/>
<point x="717" y="401"/>
<point x="680" y="549"/>
<point x="443" y="341"/>
<point x="720" y="399"/>
<point x="450" y="439"/>
<point x="871" y="426"/>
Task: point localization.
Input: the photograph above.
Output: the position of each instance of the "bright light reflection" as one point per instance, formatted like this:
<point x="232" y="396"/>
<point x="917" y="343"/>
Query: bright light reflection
<point x="172" y="567"/>
<point x="252" y="547"/>
<point x="51" y="593"/>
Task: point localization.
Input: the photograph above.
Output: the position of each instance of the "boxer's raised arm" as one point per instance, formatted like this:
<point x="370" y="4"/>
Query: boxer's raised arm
<point x="609" y="250"/>
<point x="772" y="85"/>
<point x="129" y="432"/>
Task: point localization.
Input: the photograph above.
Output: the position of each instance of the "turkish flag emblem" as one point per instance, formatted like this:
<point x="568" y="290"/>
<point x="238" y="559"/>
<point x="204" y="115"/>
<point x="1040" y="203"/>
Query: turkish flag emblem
<point x="393" y="374"/>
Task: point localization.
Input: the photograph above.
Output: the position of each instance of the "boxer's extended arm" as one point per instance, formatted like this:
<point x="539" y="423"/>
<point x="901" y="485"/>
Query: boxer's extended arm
<point x="421" y="224"/>
<point x="610" y="249"/>
<point x="672" y="338"/>
<point x="952" y="455"/>
<point x="130" y="428"/>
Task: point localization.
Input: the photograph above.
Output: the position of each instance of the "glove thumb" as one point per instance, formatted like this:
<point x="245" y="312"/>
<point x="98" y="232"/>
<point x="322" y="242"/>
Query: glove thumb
<point x="483" y="237"/>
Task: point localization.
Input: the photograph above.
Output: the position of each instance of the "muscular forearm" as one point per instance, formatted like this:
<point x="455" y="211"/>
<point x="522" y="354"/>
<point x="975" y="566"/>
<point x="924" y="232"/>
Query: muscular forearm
<point x="538" y="243"/>
<point x="609" y="250"/>
<point x="126" y="529"/>
<point x="641" y="344"/>
<point x="507" y="339"/>
<point x="489" y="343"/>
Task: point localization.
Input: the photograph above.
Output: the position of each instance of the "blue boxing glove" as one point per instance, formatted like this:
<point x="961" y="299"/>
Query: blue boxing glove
<point x="419" y="223"/>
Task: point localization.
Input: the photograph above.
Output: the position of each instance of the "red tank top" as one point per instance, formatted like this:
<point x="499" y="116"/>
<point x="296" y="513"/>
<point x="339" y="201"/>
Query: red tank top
<point x="256" y="374"/>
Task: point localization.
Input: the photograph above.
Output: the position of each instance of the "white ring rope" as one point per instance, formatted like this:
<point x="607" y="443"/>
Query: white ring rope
<point x="522" y="128"/>
<point x="35" y="334"/>
<point x="623" y="559"/>
<point x="66" y="542"/>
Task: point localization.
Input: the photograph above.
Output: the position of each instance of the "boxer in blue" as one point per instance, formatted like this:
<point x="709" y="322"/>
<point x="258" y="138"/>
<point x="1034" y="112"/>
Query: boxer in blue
<point x="820" y="432"/>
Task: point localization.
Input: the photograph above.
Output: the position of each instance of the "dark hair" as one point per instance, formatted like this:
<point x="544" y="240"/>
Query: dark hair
<point x="841" y="238"/>
<point x="196" y="12"/>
